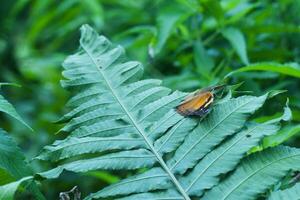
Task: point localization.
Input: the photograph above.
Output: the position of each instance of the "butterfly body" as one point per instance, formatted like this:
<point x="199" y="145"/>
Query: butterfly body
<point x="198" y="103"/>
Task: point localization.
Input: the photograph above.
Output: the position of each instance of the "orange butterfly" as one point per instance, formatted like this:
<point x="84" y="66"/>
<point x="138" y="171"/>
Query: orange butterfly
<point x="198" y="103"/>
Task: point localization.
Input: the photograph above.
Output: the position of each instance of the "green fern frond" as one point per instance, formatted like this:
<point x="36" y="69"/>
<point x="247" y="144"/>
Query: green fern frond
<point x="292" y="193"/>
<point x="132" y="123"/>
<point x="225" y="120"/>
<point x="224" y="158"/>
<point x="9" y="109"/>
<point x="257" y="173"/>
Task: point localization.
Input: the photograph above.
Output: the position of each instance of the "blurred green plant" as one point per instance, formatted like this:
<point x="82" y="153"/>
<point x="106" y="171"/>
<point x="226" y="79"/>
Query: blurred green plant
<point x="13" y="166"/>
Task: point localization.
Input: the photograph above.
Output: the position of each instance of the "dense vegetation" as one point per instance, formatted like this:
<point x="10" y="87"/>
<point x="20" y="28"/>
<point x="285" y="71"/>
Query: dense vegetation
<point x="120" y="136"/>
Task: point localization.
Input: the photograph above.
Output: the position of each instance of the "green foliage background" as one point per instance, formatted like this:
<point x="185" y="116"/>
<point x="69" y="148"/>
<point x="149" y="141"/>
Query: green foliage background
<point x="188" y="44"/>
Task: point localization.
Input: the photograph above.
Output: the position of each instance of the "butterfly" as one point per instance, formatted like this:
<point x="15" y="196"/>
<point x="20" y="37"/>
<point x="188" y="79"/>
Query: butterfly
<point x="199" y="102"/>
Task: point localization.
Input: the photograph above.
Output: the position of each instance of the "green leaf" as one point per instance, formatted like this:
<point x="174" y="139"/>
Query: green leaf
<point x="237" y="41"/>
<point x="7" y="191"/>
<point x="203" y="61"/>
<point x="170" y="194"/>
<point x="286" y="116"/>
<point x="282" y="136"/>
<point x="274" y="93"/>
<point x="96" y="12"/>
<point x="76" y="146"/>
<point x="133" y="124"/>
<point x="237" y="10"/>
<point x="5" y="177"/>
<point x="224" y="158"/>
<point x="257" y="173"/>
<point x="7" y="108"/>
<point x="104" y="176"/>
<point x="215" y="9"/>
<point x="9" y="84"/>
<point x="224" y="120"/>
<point x="15" y="165"/>
<point x="166" y="23"/>
<point x="108" y="82"/>
<point x="290" y="69"/>
<point x="292" y="193"/>
<point x="134" y="159"/>
<point x="153" y="179"/>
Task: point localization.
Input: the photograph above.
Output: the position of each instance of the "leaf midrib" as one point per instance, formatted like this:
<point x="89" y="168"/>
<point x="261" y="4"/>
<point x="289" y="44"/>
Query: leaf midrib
<point x="142" y="133"/>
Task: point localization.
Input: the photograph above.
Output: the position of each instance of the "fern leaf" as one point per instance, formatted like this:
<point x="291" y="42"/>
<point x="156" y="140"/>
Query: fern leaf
<point x="225" y="157"/>
<point x="122" y="160"/>
<point x="156" y="109"/>
<point x="256" y="174"/>
<point x="225" y="119"/>
<point x="134" y="125"/>
<point x="292" y="193"/>
<point x="153" y="179"/>
<point x="76" y="146"/>
<point x="163" y="124"/>
<point x="171" y="194"/>
<point x="107" y="86"/>
<point x="107" y="128"/>
<point x="174" y="136"/>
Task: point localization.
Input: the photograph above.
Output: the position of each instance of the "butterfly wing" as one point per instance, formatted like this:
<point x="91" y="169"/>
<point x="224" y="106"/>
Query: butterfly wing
<point x="196" y="105"/>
